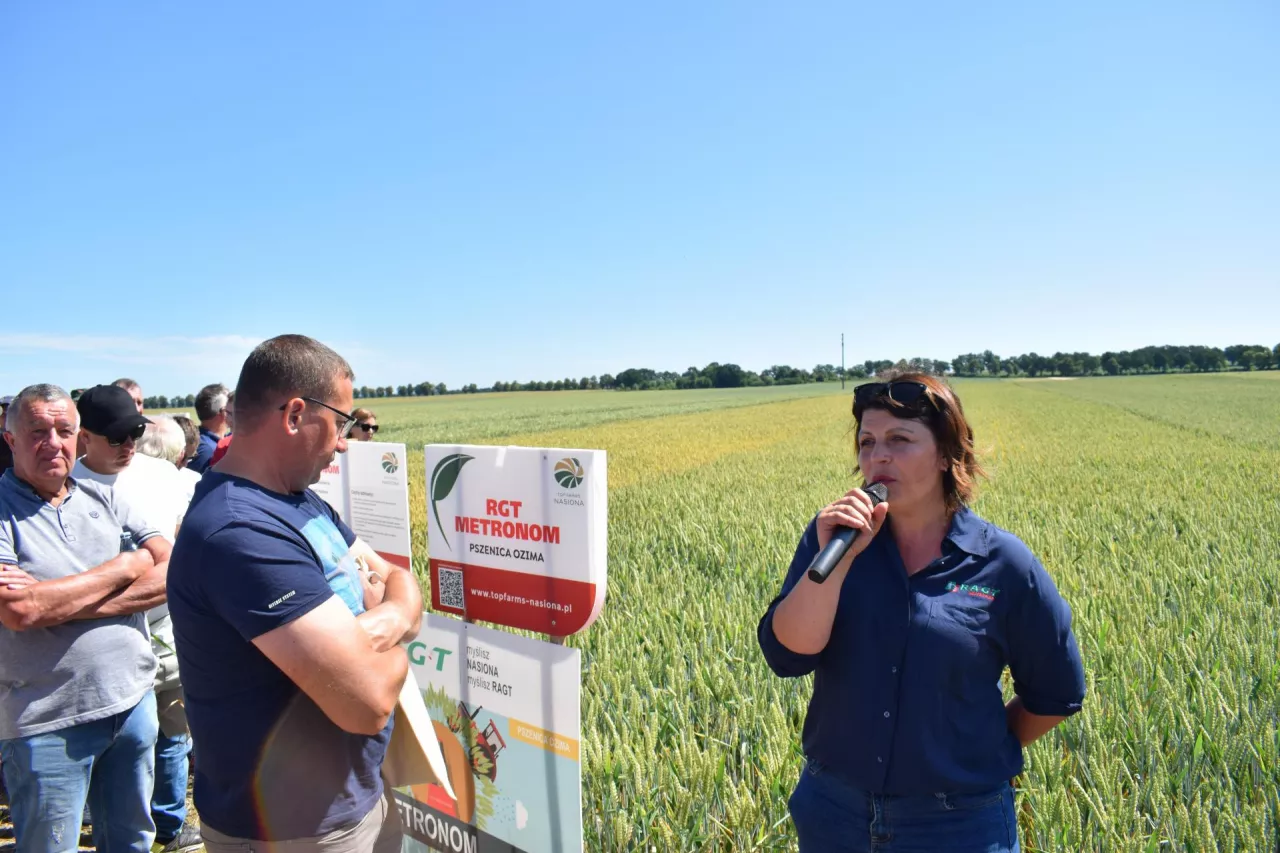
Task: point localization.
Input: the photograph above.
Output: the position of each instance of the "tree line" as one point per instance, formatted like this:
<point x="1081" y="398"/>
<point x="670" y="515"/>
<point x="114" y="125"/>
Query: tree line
<point x="1162" y="359"/>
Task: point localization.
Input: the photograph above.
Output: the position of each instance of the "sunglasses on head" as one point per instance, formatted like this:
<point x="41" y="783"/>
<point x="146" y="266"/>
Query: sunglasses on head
<point x="367" y="427"/>
<point x="903" y="393"/>
<point x="134" y="434"/>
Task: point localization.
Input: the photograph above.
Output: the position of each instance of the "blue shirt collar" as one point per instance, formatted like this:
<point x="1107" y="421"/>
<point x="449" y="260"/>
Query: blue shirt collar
<point x="969" y="533"/>
<point x="20" y="486"/>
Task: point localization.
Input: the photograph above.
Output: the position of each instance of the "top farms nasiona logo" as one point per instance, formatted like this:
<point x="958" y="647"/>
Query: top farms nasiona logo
<point x="568" y="473"/>
<point x="390" y="463"/>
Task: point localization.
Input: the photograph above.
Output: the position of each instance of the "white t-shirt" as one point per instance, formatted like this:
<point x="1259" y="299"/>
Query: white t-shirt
<point x="149" y="485"/>
<point x="153" y="489"/>
<point x="190" y="479"/>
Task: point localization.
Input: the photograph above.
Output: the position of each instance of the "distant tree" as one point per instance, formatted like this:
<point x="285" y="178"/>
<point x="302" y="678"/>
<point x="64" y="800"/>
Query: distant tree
<point x="1234" y="352"/>
<point x="1110" y="365"/>
<point x="727" y="376"/>
<point x="441" y="389"/>
<point x="940" y="368"/>
<point x="1255" y="358"/>
<point x="825" y="373"/>
<point x="1275" y="356"/>
<point x="635" y="377"/>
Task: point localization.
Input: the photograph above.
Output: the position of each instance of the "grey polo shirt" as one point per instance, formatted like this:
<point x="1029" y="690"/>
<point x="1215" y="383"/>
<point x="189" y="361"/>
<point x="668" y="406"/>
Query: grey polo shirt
<point x="81" y="671"/>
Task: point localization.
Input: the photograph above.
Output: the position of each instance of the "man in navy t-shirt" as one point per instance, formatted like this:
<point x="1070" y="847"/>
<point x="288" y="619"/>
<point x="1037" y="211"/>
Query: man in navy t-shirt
<point x="287" y="625"/>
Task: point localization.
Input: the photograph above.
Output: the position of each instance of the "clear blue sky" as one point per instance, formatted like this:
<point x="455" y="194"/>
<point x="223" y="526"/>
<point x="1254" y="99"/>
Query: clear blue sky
<point x="466" y="193"/>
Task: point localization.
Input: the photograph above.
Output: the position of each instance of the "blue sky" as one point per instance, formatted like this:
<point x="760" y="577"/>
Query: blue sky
<point x="455" y="193"/>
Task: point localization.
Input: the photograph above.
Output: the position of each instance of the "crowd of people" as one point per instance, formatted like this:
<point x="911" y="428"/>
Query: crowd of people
<point x="96" y="717"/>
<point x="173" y="593"/>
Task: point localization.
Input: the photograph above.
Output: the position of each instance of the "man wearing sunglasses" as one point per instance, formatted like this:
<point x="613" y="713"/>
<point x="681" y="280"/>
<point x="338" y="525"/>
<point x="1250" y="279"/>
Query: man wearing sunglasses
<point x="77" y="711"/>
<point x="289" y="647"/>
<point x="111" y="426"/>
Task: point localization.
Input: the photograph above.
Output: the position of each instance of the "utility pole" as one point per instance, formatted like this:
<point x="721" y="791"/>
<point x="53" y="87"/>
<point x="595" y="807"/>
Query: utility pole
<point x="842" y="361"/>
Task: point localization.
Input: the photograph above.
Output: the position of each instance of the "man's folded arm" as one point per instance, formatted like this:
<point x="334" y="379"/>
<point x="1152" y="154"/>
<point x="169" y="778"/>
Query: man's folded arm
<point x="333" y="660"/>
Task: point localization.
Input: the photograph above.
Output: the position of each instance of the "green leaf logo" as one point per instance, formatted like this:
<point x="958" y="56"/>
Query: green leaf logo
<point x="443" y="479"/>
<point x="390" y="463"/>
<point x="568" y="473"/>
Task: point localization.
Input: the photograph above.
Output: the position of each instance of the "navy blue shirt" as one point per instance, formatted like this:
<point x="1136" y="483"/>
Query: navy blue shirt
<point x="204" y="450"/>
<point x="906" y="694"/>
<point x="271" y="765"/>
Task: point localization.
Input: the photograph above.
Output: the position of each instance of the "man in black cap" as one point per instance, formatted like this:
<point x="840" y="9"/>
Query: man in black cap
<point x="111" y="426"/>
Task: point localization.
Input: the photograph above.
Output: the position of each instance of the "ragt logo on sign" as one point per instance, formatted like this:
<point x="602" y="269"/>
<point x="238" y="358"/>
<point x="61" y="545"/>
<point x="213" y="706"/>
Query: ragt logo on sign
<point x="419" y="655"/>
<point x="443" y="479"/>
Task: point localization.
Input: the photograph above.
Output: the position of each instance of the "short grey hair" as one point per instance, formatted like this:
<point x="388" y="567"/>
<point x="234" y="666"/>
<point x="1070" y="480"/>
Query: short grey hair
<point x="211" y="400"/>
<point x="164" y="439"/>
<point x="41" y="393"/>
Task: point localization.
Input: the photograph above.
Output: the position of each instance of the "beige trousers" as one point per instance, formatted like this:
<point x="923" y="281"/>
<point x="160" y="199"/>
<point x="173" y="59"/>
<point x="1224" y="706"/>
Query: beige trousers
<point x="377" y="832"/>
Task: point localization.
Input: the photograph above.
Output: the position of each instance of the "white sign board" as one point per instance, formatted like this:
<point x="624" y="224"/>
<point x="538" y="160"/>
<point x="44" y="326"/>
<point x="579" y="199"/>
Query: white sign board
<point x="517" y="535"/>
<point x="506" y="713"/>
<point x="368" y="486"/>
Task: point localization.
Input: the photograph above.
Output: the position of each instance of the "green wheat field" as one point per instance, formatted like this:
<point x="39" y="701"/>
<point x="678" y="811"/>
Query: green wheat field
<point x="1153" y="501"/>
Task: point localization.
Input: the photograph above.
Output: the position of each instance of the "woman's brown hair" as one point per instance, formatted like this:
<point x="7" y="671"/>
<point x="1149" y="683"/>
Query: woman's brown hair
<point x="362" y="414"/>
<point x="940" y="410"/>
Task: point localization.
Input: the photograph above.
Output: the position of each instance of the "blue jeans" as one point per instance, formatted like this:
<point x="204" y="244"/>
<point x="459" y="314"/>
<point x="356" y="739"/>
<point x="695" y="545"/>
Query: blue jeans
<point x="108" y="761"/>
<point x="832" y="816"/>
<point x="169" y="802"/>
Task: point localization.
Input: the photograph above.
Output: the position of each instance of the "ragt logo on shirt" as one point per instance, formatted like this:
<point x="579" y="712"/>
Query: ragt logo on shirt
<point x="986" y="592"/>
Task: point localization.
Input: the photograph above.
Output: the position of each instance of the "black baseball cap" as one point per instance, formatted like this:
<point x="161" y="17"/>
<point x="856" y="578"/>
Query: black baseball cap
<point x="109" y="411"/>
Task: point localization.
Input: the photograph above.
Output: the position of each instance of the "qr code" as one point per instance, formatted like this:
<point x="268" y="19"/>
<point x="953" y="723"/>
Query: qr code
<point x="449" y="582"/>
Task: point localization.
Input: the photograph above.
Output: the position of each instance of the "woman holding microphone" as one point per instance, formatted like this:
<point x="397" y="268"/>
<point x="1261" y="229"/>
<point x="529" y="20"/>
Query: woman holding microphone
<point x="909" y="744"/>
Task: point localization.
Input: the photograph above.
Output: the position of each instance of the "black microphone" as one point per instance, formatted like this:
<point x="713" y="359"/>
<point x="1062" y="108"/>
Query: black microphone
<point x="842" y="538"/>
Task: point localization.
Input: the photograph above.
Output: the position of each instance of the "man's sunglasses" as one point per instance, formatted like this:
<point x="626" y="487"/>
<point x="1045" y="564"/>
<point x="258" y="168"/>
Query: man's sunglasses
<point x="132" y="435"/>
<point x="903" y="393"/>
<point x="367" y="427"/>
<point x="347" y="420"/>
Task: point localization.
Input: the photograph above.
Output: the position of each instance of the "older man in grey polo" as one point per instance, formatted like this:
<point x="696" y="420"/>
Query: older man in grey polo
<point x="77" y="711"/>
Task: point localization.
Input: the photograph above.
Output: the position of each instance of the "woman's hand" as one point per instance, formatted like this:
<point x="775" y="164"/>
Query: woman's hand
<point x="853" y="510"/>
